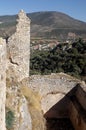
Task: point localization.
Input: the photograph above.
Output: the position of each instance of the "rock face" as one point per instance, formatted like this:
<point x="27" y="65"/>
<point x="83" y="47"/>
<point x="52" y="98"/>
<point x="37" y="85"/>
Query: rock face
<point x="18" y="48"/>
<point x="2" y="82"/>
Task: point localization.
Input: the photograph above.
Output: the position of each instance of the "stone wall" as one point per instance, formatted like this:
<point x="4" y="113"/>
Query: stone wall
<point x="18" y="48"/>
<point x="20" y="98"/>
<point x="81" y="96"/>
<point x="77" y="119"/>
<point x="77" y="108"/>
<point x="18" y="58"/>
<point x="2" y="82"/>
<point x="62" y="96"/>
<point x="52" y="88"/>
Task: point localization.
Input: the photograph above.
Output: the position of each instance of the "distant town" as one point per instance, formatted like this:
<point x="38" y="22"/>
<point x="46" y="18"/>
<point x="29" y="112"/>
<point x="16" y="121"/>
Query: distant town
<point x="47" y="44"/>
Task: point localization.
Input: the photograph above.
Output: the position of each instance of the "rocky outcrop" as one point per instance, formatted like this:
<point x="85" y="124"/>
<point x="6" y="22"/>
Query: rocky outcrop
<point x="2" y="82"/>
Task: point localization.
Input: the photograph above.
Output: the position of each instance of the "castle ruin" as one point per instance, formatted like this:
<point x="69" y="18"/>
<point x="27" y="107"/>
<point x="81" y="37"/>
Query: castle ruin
<point x="53" y="96"/>
<point x="2" y="82"/>
<point x="18" y="48"/>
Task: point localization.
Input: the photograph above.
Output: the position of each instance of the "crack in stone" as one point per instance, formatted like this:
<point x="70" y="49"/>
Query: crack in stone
<point x="15" y="63"/>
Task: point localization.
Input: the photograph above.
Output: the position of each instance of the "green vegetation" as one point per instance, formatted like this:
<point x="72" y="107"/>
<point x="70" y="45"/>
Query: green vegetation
<point x="67" y="58"/>
<point x="9" y="119"/>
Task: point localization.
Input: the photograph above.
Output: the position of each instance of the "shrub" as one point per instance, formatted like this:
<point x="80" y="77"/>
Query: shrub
<point x="9" y="119"/>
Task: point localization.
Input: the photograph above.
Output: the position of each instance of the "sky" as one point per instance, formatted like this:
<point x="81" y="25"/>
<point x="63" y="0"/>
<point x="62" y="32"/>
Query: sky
<point x="74" y="8"/>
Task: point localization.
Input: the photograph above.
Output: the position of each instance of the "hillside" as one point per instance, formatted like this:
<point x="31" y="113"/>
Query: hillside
<point x="47" y="24"/>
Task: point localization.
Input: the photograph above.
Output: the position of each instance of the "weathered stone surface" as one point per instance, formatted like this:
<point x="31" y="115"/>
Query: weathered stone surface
<point x="50" y="100"/>
<point x="17" y="103"/>
<point x="25" y="116"/>
<point x="52" y="88"/>
<point x="18" y="57"/>
<point x="61" y="83"/>
<point x="34" y="106"/>
<point x="18" y="48"/>
<point x="77" y="108"/>
<point x="2" y="82"/>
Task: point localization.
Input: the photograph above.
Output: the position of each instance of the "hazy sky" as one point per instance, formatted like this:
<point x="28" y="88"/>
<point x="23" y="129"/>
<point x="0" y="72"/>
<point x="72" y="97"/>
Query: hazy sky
<point x="74" y="8"/>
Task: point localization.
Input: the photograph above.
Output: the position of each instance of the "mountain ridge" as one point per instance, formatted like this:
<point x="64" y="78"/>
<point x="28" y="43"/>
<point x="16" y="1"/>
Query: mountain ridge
<point x="46" y="24"/>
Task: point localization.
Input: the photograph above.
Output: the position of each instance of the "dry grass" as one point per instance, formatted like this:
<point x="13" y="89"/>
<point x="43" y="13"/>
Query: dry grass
<point x="34" y="106"/>
<point x="33" y="99"/>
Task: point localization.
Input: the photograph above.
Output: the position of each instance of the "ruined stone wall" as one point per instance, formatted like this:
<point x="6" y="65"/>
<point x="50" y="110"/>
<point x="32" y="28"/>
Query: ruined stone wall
<point x="62" y="96"/>
<point x="21" y="99"/>
<point x="2" y="82"/>
<point x="81" y="96"/>
<point x="77" y="107"/>
<point x="52" y="88"/>
<point x="18" y="58"/>
<point x="77" y="116"/>
<point x="18" y="48"/>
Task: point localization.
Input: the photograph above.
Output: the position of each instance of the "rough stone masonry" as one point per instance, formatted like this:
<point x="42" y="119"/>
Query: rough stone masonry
<point x="2" y="82"/>
<point x="15" y="62"/>
<point x="18" y="58"/>
<point x="18" y="48"/>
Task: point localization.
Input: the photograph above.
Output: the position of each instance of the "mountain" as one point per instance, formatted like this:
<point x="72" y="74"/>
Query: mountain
<point x="46" y="24"/>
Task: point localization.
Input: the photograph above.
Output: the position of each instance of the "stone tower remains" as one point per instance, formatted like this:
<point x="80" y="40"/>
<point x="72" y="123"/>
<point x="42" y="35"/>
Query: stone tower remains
<point x="2" y="82"/>
<point x="18" y="48"/>
<point x="18" y="60"/>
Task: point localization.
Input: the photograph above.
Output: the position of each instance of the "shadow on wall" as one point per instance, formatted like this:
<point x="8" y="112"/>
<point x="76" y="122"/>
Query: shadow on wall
<point x="69" y="110"/>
